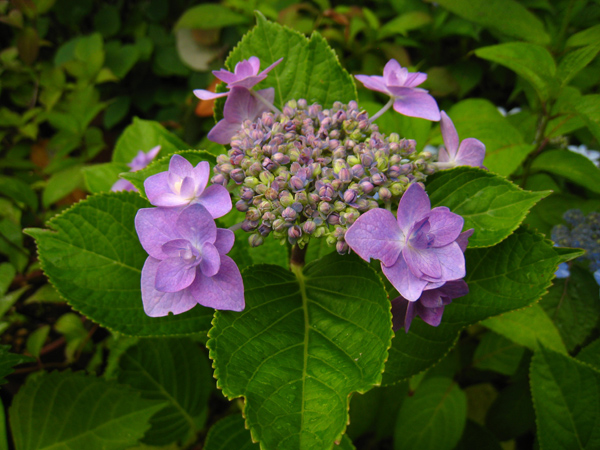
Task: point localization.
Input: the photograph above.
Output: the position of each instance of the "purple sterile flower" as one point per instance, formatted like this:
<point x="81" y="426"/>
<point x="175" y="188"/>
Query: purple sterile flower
<point x="187" y="263"/>
<point x="244" y="76"/>
<point x="429" y="307"/>
<point x="416" y="248"/>
<point x="240" y="106"/>
<point x="140" y="161"/>
<point x="400" y="85"/>
<point x="184" y="184"/>
<point x="470" y="152"/>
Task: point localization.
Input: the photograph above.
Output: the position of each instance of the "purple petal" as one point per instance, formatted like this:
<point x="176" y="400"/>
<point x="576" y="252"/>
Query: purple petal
<point x="403" y="312"/>
<point x="201" y="174"/>
<point x="224" y="131"/>
<point x="409" y="286"/>
<point x="445" y="226"/>
<point x="414" y="102"/>
<point x="415" y="79"/>
<point x="158" y="304"/>
<point x="374" y="83"/>
<point x="423" y="262"/>
<point x="451" y="261"/>
<point x="175" y="247"/>
<point x="471" y="153"/>
<point x="393" y="74"/>
<point x="225" y="240"/>
<point x="203" y="94"/>
<point x="159" y="192"/>
<point x="248" y="82"/>
<point x="450" y="138"/>
<point x="271" y="67"/>
<point x="443" y="155"/>
<point x="225" y="290"/>
<point x="180" y="166"/>
<point x="463" y="239"/>
<point x="431" y="298"/>
<point x="413" y="207"/>
<point x="187" y="189"/>
<point x="155" y="227"/>
<point x="216" y="200"/>
<point x="174" y="274"/>
<point x="197" y="225"/>
<point x="375" y="234"/>
<point x="123" y="185"/>
<point x="455" y="289"/>
<point x="431" y="316"/>
<point x="211" y="260"/>
<point x="247" y="68"/>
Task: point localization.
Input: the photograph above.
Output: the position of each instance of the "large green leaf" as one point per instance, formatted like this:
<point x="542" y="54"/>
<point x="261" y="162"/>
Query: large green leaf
<point x="533" y="62"/>
<point x="209" y="16"/>
<point x="497" y="353"/>
<point x="8" y="360"/>
<point x="101" y="177"/>
<point x="587" y="107"/>
<point x="71" y="411"/>
<point x="505" y="147"/>
<point x="574" y="61"/>
<point x="144" y="135"/>
<point x="511" y="275"/>
<point x="94" y="259"/>
<point x="566" y="395"/>
<point x="573" y="166"/>
<point x="529" y="327"/>
<point x="590" y="354"/>
<point x="301" y="346"/>
<point x="433" y="418"/>
<point x="490" y="204"/>
<point x="176" y="372"/>
<point x="310" y="68"/>
<point x="507" y="16"/>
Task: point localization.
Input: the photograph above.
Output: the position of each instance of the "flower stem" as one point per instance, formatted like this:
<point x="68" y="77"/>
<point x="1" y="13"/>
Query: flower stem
<point x="387" y="106"/>
<point x="297" y="257"/>
<point x="237" y="226"/>
<point x="271" y="106"/>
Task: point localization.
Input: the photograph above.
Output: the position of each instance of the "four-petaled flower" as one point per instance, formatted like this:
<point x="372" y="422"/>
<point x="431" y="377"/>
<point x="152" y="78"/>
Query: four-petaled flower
<point x="417" y="249"/>
<point x="187" y="263"/>
<point x="400" y="85"/>
<point x="470" y="152"/>
<point x="245" y="76"/>
<point x="140" y="161"/>
<point x="184" y="184"/>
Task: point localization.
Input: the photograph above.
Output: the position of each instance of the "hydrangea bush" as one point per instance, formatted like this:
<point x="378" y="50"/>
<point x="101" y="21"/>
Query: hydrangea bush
<point x="265" y="252"/>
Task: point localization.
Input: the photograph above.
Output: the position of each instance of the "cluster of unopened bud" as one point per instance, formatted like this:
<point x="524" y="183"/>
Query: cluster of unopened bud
<point x="311" y="172"/>
<point x="581" y="232"/>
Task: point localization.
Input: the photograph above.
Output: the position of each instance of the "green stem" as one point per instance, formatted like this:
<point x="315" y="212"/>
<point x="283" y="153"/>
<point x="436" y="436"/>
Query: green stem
<point x="387" y="106"/>
<point x="271" y="106"/>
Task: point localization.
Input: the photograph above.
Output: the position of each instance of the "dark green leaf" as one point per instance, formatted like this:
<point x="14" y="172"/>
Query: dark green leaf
<point x="566" y="395"/>
<point x="9" y="360"/>
<point x="300" y="347"/>
<point x="573" y="166"/>
<point x="93" y="257"/>
<point x="209" y="16"/>
<point x="511" y="414"/>
<point x="18" y="190"/>
<point x="61" y="184"/>
<point x="116" y="111"/>
<point x="490" y="204"/>
<point x="121" y="58"/>
<point x="585" y="37"/>
<point x="587" y="107"/>
<point x="574" y="61"/>
<point x="590" y="354"/>
<point x="101" y="177"/>
<point x="476" y="436"/>
<point x="229" y="433"/>
<point x="497" y="353"/>
<point x="71" y="411"/>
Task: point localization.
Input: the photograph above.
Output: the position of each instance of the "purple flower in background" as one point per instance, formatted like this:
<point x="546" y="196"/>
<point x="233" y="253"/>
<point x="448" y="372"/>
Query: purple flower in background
<point x="140" y="161"/>
<point x="470" y="152"/>
<point x="184" y="184"/>
<point x="429" y="307"/>
<point x="240" y="106"/>
<point x="417" y="249"/>
<point x="187" y="263"/>
<point x="400" y="85"/>
<point x="244" y="76"/>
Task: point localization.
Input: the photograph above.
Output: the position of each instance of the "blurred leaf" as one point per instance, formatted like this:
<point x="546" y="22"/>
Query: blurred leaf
<point x="476" y="436"/>
<point x="116" y="111"/>
<point x="490" y="204"/>
<point x="229" y="433"/>
<point x="168" y="63"/>
<point x="587" y="107"/>
<point x="207" y="16"/>
<point x="8" y="360"/>
<point x="120" y="59"/>
<point x="511" y="414"/>
<point x="71" y="327"/>
<point x="101" y="177"/>
<point x="107" y="20"/>
<point x="507" y="16"/>
<point x="45" y="294"/>
<point x="505" y="147"/>
<point x="497" y="353"/>
<point x="7" y="273"/>
<point x="588" y="36"/>
<point x="19" y="191"/>
<point x="8" y="300"/>
<point x="566" y="392"/>
<point x="93" y="257"/>
<point x="532" y="62"/>
<point x="61" y="184"/>
<point x="574" y="305"/>
<point x="404" y="23"/>
<point x="573" y="166"/>
<point x="529" y="327"/>
<point x="590" y="354"/>
<point x="196" y="55"/>
<point x="58" y="406"/>
<point x="573" y="62"/>
<point x="28" y="44"/>
<point x="433" y="418"/>
<point x="176" y="372"/>
<point x="36" y="340"/>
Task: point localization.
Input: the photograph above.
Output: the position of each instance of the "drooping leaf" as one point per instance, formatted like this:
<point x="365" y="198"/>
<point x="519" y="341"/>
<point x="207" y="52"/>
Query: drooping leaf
<point x="532" y="62"/>
<point x="433" y="418"/>
<point x="93" y="257"/>
<point x="566" y="395"/>
<point x="574" y="306"/>
<point x="505" y="147"/>
<point x="507" y="16"/>
<point x="71" y="411"/>
<point x="529" y="327"/>
<point x="8" y="360"/>
<point x="497" y="353"/>
<point x="300" y="347"/>
<point x="573" y="166"/>
<point x="177" y="372"/>
<point x="145" y="135"/>
<point x="311" y="71"/>
<point x="509" y="276"/>
<point x="490" y="204"/>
